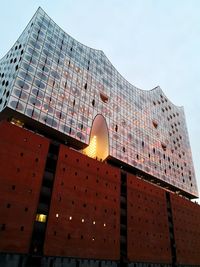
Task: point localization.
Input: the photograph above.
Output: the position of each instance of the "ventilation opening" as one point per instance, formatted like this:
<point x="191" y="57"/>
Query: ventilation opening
<point x="155" y="124"/>
<point x="104" y="97"/>
<point x="164" y="146"/>
<point x="99" y="143"/>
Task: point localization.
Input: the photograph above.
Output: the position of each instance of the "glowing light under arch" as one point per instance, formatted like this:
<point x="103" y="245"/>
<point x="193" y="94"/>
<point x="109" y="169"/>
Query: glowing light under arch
<point x="99" y="140"/>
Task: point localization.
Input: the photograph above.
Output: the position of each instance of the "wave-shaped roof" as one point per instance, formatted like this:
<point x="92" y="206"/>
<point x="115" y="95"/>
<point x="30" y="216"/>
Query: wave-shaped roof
<point x="56" y="81"/>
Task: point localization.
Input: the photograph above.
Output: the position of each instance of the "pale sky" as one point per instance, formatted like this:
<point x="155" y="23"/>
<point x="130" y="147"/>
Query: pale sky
<point x="150" y="42"/>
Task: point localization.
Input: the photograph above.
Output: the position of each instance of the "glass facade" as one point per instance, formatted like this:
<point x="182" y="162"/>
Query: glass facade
<point x="54" y="79"/>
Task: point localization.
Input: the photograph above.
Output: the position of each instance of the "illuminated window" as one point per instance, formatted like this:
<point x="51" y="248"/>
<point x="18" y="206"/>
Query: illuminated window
<point x="70" y="218"/>
<point x="91" y="150"/>
<point x="17" y="122"/>
<point x="57" y="215"/>
<point x="99" y="143"/>
<point x="41" y="218"/>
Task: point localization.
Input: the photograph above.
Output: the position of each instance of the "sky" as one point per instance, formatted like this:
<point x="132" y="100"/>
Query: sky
<point x="150" y="42"/>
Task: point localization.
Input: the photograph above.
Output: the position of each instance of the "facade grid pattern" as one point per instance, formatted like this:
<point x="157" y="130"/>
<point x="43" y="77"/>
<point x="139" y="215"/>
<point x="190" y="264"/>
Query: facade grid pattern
<point x="51" y="78"/>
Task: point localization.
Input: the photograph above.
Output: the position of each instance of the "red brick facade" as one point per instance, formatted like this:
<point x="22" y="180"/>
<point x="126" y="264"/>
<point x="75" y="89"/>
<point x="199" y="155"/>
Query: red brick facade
<point x="85" y="212"/>
<point x="186" y="220"/>
<point x="148" y="230"/>
<point x="22" y="160"/>
<point x="86" y="200"/>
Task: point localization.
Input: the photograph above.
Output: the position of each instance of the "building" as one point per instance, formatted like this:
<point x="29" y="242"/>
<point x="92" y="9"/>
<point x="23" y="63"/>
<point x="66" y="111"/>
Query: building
<point x="93" y="171"/>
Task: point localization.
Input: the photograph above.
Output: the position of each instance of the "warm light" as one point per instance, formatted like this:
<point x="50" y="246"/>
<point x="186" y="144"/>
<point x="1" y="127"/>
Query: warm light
<point x="41" y="218"/>
<point x="104" y="225"/>
<point x="57" y="215"/>
<point x="91" y="150"/>
<point x="70" y="218"/>
<point x="93" y="239"/>
<point x="98" y="147"/>
<point x="94" y="222"/>
<point x="17" y="122"/>
<point x="82" y="220"/>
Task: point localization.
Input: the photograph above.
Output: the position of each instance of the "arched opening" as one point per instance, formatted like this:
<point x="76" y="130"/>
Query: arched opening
<point x="99" y="142"/>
